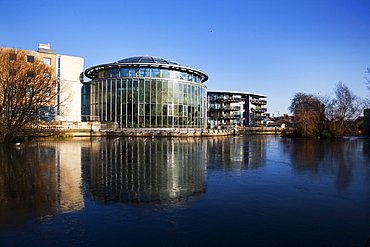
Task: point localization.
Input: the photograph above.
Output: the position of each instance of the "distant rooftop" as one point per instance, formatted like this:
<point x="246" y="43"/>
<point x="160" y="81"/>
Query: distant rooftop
<point x="235" y="92"/>
<point x="45" y="48"/>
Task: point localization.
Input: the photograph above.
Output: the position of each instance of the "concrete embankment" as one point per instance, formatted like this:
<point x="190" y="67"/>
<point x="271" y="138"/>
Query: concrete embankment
<point x="261" y="130"/>
<point x="97" y="129"/>
<point x="171" y="132"/>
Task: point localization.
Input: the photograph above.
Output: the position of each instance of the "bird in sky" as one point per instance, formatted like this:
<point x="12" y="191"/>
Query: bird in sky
<point x="212" y="30"/>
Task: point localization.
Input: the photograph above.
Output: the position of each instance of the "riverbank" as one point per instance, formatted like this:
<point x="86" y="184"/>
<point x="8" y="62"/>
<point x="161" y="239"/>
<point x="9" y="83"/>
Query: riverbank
<point x="97" y="129"/>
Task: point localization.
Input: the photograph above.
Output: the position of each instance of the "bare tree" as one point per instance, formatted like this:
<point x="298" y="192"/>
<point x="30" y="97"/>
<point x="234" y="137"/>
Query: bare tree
<point x="308" y="113"/>
<point x="346" y="105"/>
<point x="326" y="116"/>
<point x="28" y="91"/>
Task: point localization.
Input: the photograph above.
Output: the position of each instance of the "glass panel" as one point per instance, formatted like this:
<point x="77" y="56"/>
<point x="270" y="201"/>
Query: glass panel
<point x="165" y="73"/>
<point x="147" y="122"/>
<point x="141" y="90"/>
<point x="182" y="76"/>
<point x="147" y="109"/>
<point x="131" y="72"/>
<point x="129" y="90"/>
<point x="141" y="110"/>
<point x="159" y="91"/>
<point x="165" y="92"/>
<point x="141" y="121"/>
<point x="170" y="122"/>
<point x="153" y="91"/>
<point x="153" y="110"/>
<point x="159" y="121"/>
<point x="184" y="110"/>
<point x="123" y="90"/>
<point x="144" y="72"/>
<point x="115" y="72"/>
<point x="155" y="72"/>
<point x="170" y="92"/>
<point x="153" y="121"/>
<point x="170" y="110"/>
<point x="147" y="91"/>
<point x="124" y="72"/>
<point x="123" y="109"/>
<point x="135" y="92"/>
<point x="175" y="110"/>
<point x="137" y="72"/>
<point x="165" y="110"/>
<point x="146" y="60"/>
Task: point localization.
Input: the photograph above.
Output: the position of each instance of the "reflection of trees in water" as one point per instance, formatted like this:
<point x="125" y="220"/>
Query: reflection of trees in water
<point x="236" y="153"/>
<point x="27" y="182"/>
<point x="160" y="170"/>
<point x="340" y="157"/>
<point x="40" y="178"/>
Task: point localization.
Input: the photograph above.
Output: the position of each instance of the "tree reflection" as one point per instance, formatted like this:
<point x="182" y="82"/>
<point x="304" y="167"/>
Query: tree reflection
<point x="341" y="157"/>
<point x="27" y="184"/>
<point x="39" y="179"/>
<point x="139" y="170"/>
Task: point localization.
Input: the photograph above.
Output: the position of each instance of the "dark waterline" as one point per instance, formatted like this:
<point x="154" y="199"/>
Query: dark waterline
<point x="214" y="191"/>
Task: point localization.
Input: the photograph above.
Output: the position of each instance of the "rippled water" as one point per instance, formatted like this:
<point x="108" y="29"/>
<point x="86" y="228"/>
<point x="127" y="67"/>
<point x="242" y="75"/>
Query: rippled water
<point x="213" y="191"/>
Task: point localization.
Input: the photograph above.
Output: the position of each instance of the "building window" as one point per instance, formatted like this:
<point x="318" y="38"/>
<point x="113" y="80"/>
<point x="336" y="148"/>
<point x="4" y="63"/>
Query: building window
<point x="30" y="59"/>
<point x="141" y="110"/>
<point x="30" y="74"/>
<point x="170" y="110"/>
<point x="12" y="72"/>
<point x="47" y="75"/>
<point x="29" y="90"/>
<point x="12" y="56"/>
<point x="47" y="91"/>
<point x="47" y="60"/>
<point x="184" y="110"/>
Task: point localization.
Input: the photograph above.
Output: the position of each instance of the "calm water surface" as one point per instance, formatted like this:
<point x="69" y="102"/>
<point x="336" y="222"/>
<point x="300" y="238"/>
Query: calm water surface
<point x="224" y="191"/>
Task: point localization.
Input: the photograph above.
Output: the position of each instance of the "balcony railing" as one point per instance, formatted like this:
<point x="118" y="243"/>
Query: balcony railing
<point x="259" y="110"/>
<point x="229" y="117"/>
<point x="260" y="117"/>
<point x="258" y="102"/>
<point x="225" y="109"/>
<point x="225" y="99"/>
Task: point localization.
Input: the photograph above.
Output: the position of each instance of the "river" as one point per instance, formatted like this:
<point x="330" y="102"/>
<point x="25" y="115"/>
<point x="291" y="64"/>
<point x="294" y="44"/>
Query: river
<point x="190" y="191"/>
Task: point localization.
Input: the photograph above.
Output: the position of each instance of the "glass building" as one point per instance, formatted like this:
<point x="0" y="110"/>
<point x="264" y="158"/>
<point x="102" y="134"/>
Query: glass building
<point x="147" y="92"/>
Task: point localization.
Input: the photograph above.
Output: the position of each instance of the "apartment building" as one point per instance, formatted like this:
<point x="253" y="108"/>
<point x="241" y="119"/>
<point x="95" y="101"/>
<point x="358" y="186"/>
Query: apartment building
<point x="67" y="71"/>
<point x="228" y="108"/>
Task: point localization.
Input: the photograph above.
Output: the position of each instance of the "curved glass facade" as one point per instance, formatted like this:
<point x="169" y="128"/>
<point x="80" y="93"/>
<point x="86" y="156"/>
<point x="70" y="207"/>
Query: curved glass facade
<point x="148" y="72"/>
<point x="137" y="96"/>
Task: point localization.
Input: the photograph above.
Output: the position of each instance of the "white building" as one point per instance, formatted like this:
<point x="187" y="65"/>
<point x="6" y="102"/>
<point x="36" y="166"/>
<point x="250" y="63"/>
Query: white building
<point x="67" y="71"/>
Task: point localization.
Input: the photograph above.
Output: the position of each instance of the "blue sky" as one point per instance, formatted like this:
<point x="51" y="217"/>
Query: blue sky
<point x="270" y="47"/>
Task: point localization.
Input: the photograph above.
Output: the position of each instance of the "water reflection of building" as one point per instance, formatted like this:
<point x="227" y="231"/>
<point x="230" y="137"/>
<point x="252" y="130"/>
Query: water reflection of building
<point x="158" y="171"/>
<point x="40" y="178"/>
<point x="238" y="152"/>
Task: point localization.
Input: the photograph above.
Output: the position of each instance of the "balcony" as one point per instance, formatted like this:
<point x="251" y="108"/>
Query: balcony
<point x="229" y="117"/>
<point x="258" y="102"/>
<point x="227" y="108"/>
<point x="259" y="110"/>
<point x="260" y="117"/>
<point x="224" y="99"/>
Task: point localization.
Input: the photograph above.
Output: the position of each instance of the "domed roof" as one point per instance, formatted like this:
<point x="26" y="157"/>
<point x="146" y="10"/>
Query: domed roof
<point x="146" y="59"/>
